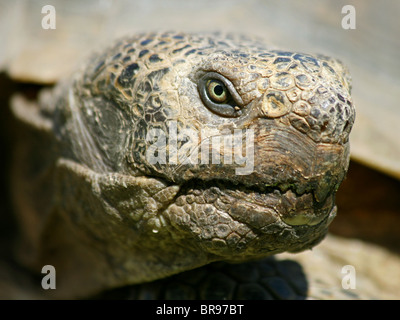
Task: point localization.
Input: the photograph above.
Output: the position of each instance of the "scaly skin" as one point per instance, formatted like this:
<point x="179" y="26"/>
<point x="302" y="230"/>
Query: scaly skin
<point x="109" y="211"/>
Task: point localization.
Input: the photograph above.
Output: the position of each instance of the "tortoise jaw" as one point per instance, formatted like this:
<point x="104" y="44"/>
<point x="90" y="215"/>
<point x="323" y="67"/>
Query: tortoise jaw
<point x="260" y="208"/>
<point x="305" y="210"/>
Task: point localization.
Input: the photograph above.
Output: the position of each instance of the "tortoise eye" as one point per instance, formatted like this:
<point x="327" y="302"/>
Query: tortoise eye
<point x="217" y="91"/>
<point x="219" y="95"/>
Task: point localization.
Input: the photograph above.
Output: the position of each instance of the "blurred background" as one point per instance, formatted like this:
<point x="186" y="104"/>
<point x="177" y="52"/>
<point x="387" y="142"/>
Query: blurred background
<point x="369" y="202"/>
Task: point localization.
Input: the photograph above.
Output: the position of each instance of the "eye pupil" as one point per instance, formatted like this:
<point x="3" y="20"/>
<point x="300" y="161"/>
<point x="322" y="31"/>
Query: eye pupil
<point x="218" y="90"/>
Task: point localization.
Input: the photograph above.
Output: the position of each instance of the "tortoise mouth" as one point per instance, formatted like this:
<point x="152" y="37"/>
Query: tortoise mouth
<point x="261" y="205"/>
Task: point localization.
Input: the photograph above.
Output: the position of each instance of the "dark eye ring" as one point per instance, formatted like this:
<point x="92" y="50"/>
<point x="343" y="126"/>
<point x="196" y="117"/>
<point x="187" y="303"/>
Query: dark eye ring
<point x="219" y="95"/>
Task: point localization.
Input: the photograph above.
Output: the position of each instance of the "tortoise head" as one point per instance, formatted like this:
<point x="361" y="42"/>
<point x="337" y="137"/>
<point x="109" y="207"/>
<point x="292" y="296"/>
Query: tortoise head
<point x="249" y="143"/>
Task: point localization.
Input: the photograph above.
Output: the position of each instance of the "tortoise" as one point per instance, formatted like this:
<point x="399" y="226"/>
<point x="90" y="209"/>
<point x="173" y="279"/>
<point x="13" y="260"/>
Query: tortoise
<point x="85" y="178"/>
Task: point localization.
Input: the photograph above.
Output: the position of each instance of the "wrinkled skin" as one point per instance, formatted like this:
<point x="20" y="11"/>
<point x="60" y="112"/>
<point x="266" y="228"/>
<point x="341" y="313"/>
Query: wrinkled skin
<point x="96" y="202"/>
